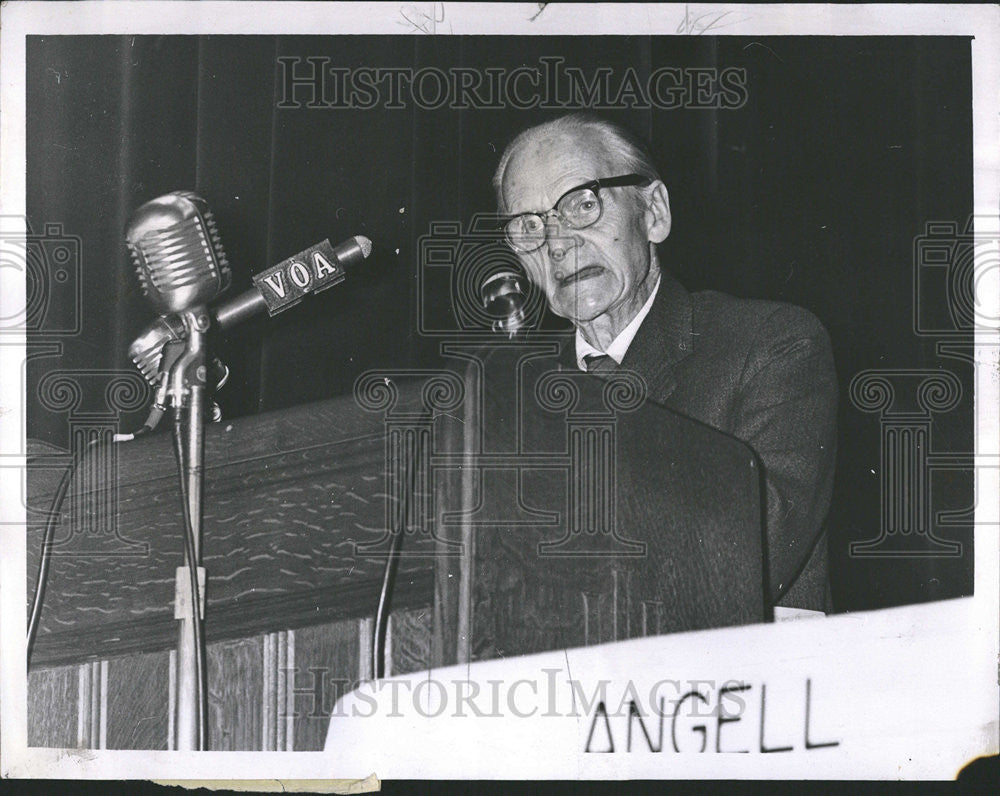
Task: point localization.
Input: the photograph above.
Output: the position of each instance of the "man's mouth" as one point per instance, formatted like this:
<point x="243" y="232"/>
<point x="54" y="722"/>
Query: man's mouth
<point x="587" y="272"/>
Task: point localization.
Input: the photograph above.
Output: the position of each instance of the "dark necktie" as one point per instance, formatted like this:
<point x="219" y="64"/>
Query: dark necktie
<point x="600" y="364"/>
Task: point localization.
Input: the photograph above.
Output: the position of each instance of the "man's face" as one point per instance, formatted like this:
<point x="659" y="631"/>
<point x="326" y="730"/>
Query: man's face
<point x="602" y="270"/>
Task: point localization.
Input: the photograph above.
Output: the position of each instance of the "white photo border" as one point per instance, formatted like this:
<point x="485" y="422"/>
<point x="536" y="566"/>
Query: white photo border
<point x="22" y="19"/>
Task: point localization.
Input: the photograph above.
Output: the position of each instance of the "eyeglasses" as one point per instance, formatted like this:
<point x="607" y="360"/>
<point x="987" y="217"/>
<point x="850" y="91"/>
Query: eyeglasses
<point x="578" y="208"/>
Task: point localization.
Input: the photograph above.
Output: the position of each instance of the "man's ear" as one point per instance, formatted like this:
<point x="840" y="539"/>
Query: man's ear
<point x="657" y="212"/>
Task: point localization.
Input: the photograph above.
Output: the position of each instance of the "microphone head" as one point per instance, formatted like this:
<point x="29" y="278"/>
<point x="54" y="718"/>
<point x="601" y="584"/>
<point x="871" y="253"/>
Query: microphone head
<point x="364" y="244"/>
<point x="504" y="297"/>
<point x="146" y="350"/>
<point x="177" y="252"/>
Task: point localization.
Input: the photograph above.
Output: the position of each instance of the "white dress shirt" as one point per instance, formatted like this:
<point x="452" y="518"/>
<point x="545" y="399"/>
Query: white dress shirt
<point x="621" y="343"/>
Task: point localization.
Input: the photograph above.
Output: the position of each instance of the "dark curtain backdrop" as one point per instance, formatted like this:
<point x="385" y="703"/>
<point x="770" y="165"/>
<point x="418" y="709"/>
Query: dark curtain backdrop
<point x="813" y="192"/>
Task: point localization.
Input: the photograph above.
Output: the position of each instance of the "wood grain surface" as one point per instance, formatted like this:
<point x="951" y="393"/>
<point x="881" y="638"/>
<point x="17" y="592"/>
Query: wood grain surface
<point x="327" y="661"/>
<point x="235" y="685"/>
<point x="620" y="517"/>
<point x="52" y="707"/>
<point x="295" y="528"/>
<point x="138" y="701"/>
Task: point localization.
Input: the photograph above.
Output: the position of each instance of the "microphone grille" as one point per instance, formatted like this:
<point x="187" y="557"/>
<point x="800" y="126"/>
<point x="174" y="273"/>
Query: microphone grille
<point x="216" y="242"/>
<point x="504" y="297"/>
<point x="177" y="252"/>
<point x="148" y="361"/>
<point x="146" y="351"/>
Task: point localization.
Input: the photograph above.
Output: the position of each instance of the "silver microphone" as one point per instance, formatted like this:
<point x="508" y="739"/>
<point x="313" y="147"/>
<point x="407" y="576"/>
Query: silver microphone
<point x="177" y="252"/>
<point x="284" y="285"/>
<point x="146" y="350"/>
<point x="504" y="297"/>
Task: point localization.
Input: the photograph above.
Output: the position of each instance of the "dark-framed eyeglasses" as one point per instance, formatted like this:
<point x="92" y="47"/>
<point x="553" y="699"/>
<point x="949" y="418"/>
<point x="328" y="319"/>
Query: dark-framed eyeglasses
<point x="578" y="208"/>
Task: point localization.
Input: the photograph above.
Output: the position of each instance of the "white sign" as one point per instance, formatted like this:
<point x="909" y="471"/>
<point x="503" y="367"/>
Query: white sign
<point x="881" y="694"/>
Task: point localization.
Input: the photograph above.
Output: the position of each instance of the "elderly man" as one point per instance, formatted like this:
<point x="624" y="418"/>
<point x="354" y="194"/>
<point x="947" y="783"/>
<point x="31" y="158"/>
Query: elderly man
<point x="584" y="209"/>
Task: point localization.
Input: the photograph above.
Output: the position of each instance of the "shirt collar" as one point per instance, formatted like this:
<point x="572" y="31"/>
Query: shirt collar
<point x="621" y="343"/>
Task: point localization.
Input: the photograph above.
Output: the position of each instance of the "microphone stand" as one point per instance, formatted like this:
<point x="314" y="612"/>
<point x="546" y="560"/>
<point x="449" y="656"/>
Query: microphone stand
<point x="188" y="386"/>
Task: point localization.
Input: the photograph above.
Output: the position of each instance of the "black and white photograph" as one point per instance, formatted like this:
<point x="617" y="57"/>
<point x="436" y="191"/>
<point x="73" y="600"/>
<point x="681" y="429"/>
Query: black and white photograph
<point x="542" y="391"/>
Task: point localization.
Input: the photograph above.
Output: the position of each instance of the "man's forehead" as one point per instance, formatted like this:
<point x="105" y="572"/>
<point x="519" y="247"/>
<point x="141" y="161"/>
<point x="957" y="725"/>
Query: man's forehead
<point x="545" y="166"/>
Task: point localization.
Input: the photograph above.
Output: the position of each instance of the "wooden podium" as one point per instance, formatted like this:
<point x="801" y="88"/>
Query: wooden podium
<point x="551" y="510"/>
<point x="589" y="514"/>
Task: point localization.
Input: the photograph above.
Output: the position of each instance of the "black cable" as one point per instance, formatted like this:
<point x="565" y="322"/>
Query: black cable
<point x="46" y="551"/>
<point x="43" y="559"/>
<point x="189" y="547"/>
<point x="45" y="554"/>
<point x="378" y="640"/>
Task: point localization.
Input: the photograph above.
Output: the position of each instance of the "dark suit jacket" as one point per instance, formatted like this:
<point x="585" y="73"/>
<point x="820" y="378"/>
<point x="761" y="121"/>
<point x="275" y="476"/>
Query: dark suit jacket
<point x="763" y="372"/>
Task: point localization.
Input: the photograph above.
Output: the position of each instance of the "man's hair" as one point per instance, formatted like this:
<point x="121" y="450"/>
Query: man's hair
<point x="630" y="152"/>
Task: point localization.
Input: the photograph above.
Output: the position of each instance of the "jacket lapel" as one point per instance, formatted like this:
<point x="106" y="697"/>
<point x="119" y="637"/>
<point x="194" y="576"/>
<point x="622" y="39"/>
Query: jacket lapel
<point x="664" y="339"/>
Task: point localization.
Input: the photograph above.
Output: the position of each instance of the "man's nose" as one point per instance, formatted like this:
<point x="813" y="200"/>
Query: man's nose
<point x="557" y="240"/>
